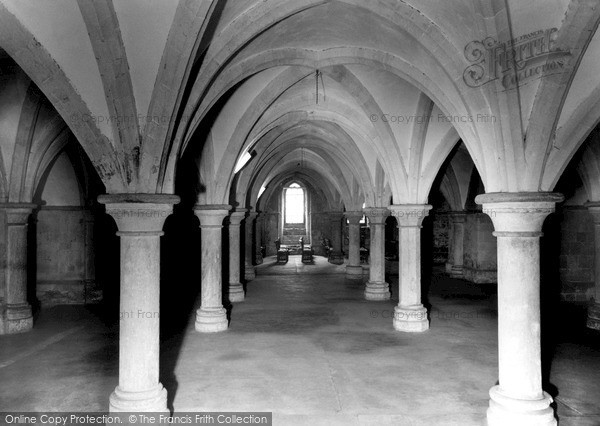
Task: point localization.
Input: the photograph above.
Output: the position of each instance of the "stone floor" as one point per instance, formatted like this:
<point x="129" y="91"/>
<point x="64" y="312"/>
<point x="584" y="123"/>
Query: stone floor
<point x="310" y="349"/>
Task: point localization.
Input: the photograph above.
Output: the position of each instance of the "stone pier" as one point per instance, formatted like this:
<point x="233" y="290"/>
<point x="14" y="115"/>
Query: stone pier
<point x="454" y="266"/>
<point x="236" y="288"/>
<point x="211" y="317"/>
<point x="518" y="399"/>
<point x="410" y="314"/>
<point x="249" y="269"/>
<point x="376" y="288"/>
<point x="18" y="317"/>
<point x="140" y="219"/>
<point x="353" y="269"/>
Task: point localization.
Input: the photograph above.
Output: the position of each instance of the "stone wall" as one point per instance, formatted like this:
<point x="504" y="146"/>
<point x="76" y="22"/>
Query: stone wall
<point x="576" y="254"/>
<point x="64" y="257"/>
<point x="63" y="239"/>
<point x="441" y="231"/>
<point x="480" y="249"/>
<point x="270" y="232"/>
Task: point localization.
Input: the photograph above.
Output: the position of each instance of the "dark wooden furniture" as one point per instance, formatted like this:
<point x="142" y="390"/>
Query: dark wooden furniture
<point x="282" y="256"/>
<point x="307" y="254"/>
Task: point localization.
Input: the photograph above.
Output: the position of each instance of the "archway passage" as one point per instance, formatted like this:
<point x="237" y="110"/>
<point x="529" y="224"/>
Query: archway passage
<point x="296" y="214"/>
<point x="154" y="159"/>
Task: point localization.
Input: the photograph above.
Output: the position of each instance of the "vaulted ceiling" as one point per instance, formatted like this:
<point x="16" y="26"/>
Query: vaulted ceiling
<point x="369" y="97"/>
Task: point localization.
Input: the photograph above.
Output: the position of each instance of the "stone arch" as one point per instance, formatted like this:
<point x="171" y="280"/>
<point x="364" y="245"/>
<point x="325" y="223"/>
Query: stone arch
<point x="37" y="63"/>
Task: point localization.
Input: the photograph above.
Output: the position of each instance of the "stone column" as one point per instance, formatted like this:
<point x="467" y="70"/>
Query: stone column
<point x="518" y="399"/>
<point x="250" y="270"/>
<point x="335" y="220"/>
<point x="140" y="219"/>
<point x="353" y="269"/>
<point x="376" y="288"/>
<point x="454" y="266"/>
<point x="18" y="317"/>
<point x="260" y="222"/>
<point x="410" y="314"/>
<point x="236" y="288"/>
<point x="91" y="293"/>
<point x="593" y="317"/>
<point x="212" y="316"/>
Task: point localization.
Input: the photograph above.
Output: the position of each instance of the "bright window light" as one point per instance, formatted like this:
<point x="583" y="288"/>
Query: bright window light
<point x="294" y="204"/>
<point x="246" y="156"/>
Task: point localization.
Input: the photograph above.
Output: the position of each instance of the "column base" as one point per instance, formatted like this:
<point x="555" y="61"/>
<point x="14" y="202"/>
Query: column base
<point x="154" y="400"/>
<point x="377" y="291"/>
<point x="354" y="272"/>
<point x="411" y="318"/>
<point x="249" y="273"/>
<point x="336" y="258"/>
<point x="504" y="410"/>
<point x="593" y="317"/>
<point x="448" y="267"/>
<point x="17" y="319"/>
<point x="236" y="292"/>
<point x="211" y="320"/>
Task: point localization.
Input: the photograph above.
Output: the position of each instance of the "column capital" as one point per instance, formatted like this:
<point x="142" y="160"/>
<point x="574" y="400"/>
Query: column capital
<point x="377" y="215"/>
<point x="458" y="216"/>
<point x="211" y="215"/>
<point x="410" y="215"/>
<point x="17" y="213"/>
<point x="236" y="217"/>
<point x="252" y="215"/>
<point x="354" y="217"/>
<point x="518" y="213"/>
<point x="139" y="213"/>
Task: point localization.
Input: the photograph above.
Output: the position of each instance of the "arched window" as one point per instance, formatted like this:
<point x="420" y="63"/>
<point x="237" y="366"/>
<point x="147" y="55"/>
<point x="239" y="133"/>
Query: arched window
<point x="294" y="204"/>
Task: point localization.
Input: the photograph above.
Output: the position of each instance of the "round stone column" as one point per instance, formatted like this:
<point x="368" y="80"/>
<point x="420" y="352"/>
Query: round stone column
<point x="353" y="269"/>
<point x="410" y="314"/>
<point x="236" y="288"/>
<point x="376" y="288"/>
<point x="140" y="219"/>
<point x="335" y="225"/>
<point x="91" y="291"/>
<point x="249" y="269"/>
<point x="212" y="316"/>
<point x="593" y="316"/>
<point x="456" y="248"/>
<point x="518" y="399"/>
<point x="260" y="223"/>
<point x="18" y="317"/>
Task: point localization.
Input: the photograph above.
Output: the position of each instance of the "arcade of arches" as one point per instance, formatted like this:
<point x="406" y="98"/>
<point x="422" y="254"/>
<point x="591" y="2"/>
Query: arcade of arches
<point x="156" y="155"/>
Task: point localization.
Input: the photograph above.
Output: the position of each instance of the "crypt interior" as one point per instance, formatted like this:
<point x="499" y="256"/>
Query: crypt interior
<point x="338" y="211"/>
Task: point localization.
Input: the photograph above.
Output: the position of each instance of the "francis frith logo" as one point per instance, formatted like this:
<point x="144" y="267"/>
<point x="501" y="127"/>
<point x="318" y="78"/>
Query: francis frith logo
<point x="515" y="61"/>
